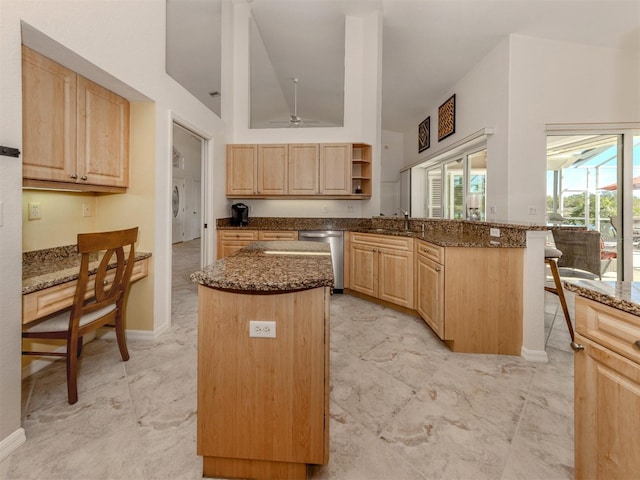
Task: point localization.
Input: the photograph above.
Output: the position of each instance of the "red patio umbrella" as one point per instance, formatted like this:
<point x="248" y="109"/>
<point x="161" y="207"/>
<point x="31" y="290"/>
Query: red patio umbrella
<point x="614" y="186"/>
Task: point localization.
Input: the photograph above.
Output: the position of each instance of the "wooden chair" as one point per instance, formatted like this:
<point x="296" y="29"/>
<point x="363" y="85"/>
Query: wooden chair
<point x="99" y="300"/>
<point x="551" y="257"/>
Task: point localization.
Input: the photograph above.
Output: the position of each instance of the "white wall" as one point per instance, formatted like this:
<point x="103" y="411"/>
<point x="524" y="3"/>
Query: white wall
<point x="122" y="42"/>
<point x="556" y="82"/>
<point x="482" y="97"/>
<point x="362" y="106"/>
<point x="391" y="162"/>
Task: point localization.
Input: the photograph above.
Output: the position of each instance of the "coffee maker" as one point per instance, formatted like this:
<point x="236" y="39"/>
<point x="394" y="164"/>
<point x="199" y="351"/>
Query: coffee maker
<point x="239" y="215"/>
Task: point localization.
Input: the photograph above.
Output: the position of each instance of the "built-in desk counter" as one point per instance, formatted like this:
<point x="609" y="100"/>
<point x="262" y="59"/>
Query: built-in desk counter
<point x="49" y="279"/>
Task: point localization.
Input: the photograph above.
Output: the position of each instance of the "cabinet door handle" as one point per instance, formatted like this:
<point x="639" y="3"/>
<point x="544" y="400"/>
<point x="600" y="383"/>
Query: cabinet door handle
<point x="84" y="177"/>
<point x="637" y="344"/>
<point x="438" y="269"/>
<point x="74" y="175"/>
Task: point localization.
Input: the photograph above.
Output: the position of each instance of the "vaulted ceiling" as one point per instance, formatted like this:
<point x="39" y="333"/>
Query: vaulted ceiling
<point x="428" y="45"/>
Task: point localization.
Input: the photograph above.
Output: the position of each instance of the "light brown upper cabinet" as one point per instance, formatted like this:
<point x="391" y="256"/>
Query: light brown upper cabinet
<point x="242" y="173"/>
<point x="74" y="131"/>
<point x="335" y="169"/>
<point x="303" y="170"/>
<point x="272" y="169"/>
<point x="257" y="170"/>
<point x="304" y="161"/>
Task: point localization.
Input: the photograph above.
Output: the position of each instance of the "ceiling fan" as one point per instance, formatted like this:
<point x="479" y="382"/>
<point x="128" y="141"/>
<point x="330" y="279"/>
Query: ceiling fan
<point x="295" y="120"/>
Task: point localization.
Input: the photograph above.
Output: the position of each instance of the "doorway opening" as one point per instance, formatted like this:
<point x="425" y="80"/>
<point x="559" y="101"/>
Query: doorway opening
<point x="186" y="202"/>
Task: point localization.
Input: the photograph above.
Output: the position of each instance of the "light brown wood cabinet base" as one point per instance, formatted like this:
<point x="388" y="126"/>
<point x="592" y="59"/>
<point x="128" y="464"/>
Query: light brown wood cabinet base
<point x="263" y="403"/>
<point x="252" y="469"/>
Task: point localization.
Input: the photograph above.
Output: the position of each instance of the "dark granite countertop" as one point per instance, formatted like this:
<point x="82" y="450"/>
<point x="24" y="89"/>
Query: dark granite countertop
<point x="445" y="233"/>
<point x="53" y="266"/>
<point x="621" y="295"/>
<point x="277" y="266"/>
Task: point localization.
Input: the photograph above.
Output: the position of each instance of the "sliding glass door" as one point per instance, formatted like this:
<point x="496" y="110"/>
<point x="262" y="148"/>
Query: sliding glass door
<point x="593" y="182"/>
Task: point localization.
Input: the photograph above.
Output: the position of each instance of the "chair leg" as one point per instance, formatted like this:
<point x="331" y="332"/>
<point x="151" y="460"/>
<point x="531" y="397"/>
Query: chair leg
<point x="559" y="291"/>
<point x="72" y="371"/>
<point x="122" y="340"/>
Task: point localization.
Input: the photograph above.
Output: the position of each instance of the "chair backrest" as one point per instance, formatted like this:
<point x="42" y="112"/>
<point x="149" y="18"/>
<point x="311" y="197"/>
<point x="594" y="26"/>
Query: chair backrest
<point x="115" y="260"/>
<point x="580" y="248"/>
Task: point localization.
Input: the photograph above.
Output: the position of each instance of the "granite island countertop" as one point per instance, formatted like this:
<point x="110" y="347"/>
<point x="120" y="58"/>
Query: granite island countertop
<point x="53" y="266"/>
<point x="624" y="296"/>
<point x="275" y="266"/>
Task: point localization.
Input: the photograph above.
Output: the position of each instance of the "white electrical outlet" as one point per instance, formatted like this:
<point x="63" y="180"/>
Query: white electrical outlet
<point x="494" y="232"/>
<point x="262" y="329"/>
<point x="34" y="211"/>
<point x="533" y="210"/>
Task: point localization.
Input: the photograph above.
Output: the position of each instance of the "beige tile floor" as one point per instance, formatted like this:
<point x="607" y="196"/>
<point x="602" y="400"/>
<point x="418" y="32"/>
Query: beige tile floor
<point x="402" y="405"/>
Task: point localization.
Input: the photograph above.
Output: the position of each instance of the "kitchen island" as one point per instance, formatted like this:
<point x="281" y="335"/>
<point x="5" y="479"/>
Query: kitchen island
<point x="263" y="361"/>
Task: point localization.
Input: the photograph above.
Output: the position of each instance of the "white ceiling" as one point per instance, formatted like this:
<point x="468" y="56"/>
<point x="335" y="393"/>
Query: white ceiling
<point x="428" y="45"/>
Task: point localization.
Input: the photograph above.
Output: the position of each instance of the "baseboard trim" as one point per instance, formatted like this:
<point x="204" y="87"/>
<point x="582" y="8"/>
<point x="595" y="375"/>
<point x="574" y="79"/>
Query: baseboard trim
<point x="11" y="443"/>
<point x="539" y="356"/>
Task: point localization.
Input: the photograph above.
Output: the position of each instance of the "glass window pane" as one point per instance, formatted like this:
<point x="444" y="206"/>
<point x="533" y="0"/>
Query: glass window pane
<point x="434" y="193"/>
<point x="454" y="190"/>
<point x="477" y="185"/>
<point x="582" y="190"/>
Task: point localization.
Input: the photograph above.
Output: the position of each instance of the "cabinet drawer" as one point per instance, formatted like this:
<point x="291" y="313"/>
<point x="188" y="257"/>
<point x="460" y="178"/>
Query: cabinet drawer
<point x="431" y="251"/>
<point x="609" y="327"/>
<point x="277" y="235"/>
<point x="237" y="234"/>
<point x="384" y="241"/>
<point x="54" y="299"/>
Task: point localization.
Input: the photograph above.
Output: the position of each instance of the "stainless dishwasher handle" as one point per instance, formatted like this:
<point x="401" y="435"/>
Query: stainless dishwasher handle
<point x="318" y="235"/>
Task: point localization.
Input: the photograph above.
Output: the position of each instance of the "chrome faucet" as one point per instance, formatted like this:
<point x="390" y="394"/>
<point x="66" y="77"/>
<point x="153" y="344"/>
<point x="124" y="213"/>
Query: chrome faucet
<point x="406" y="218"/>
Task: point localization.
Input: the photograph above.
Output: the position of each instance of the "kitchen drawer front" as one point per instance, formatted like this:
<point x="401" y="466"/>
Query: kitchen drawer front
<point x="431" y="251"/>
<point x="384" y="241"/>
<point x="612" y="328"/>
<point x="237" y="235"/>
<point x="55" y="299"/>
<point x="278" y="235"/>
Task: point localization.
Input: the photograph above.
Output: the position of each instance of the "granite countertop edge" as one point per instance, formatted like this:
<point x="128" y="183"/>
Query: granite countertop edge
<point x="298" y="266"/>
<point x="624" y="296"/>
<point x="444" y="233"/>
<point x="54" y="273"/>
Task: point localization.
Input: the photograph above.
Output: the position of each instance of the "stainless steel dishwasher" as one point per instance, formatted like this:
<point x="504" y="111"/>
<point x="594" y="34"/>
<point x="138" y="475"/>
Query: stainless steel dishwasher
<point x="335" y="239"/>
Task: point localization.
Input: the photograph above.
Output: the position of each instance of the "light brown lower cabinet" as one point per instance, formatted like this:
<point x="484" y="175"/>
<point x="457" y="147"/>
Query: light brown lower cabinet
<point x="382" y="267"/>
<point x="263" y="403"/>
<point x="471" y="297"/>
<point x="607" y="392"/>
<point x="230" y="241"/>
<point x="430" y="285"/>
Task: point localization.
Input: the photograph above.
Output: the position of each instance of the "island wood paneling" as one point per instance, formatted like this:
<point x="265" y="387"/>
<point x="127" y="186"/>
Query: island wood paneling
<point x="262" y="399"/>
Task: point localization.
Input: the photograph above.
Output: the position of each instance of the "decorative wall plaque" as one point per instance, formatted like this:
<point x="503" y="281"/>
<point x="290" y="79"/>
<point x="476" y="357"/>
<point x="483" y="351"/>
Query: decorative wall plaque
<point x="424" y="132"/>
<point x="447" y="118"/>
